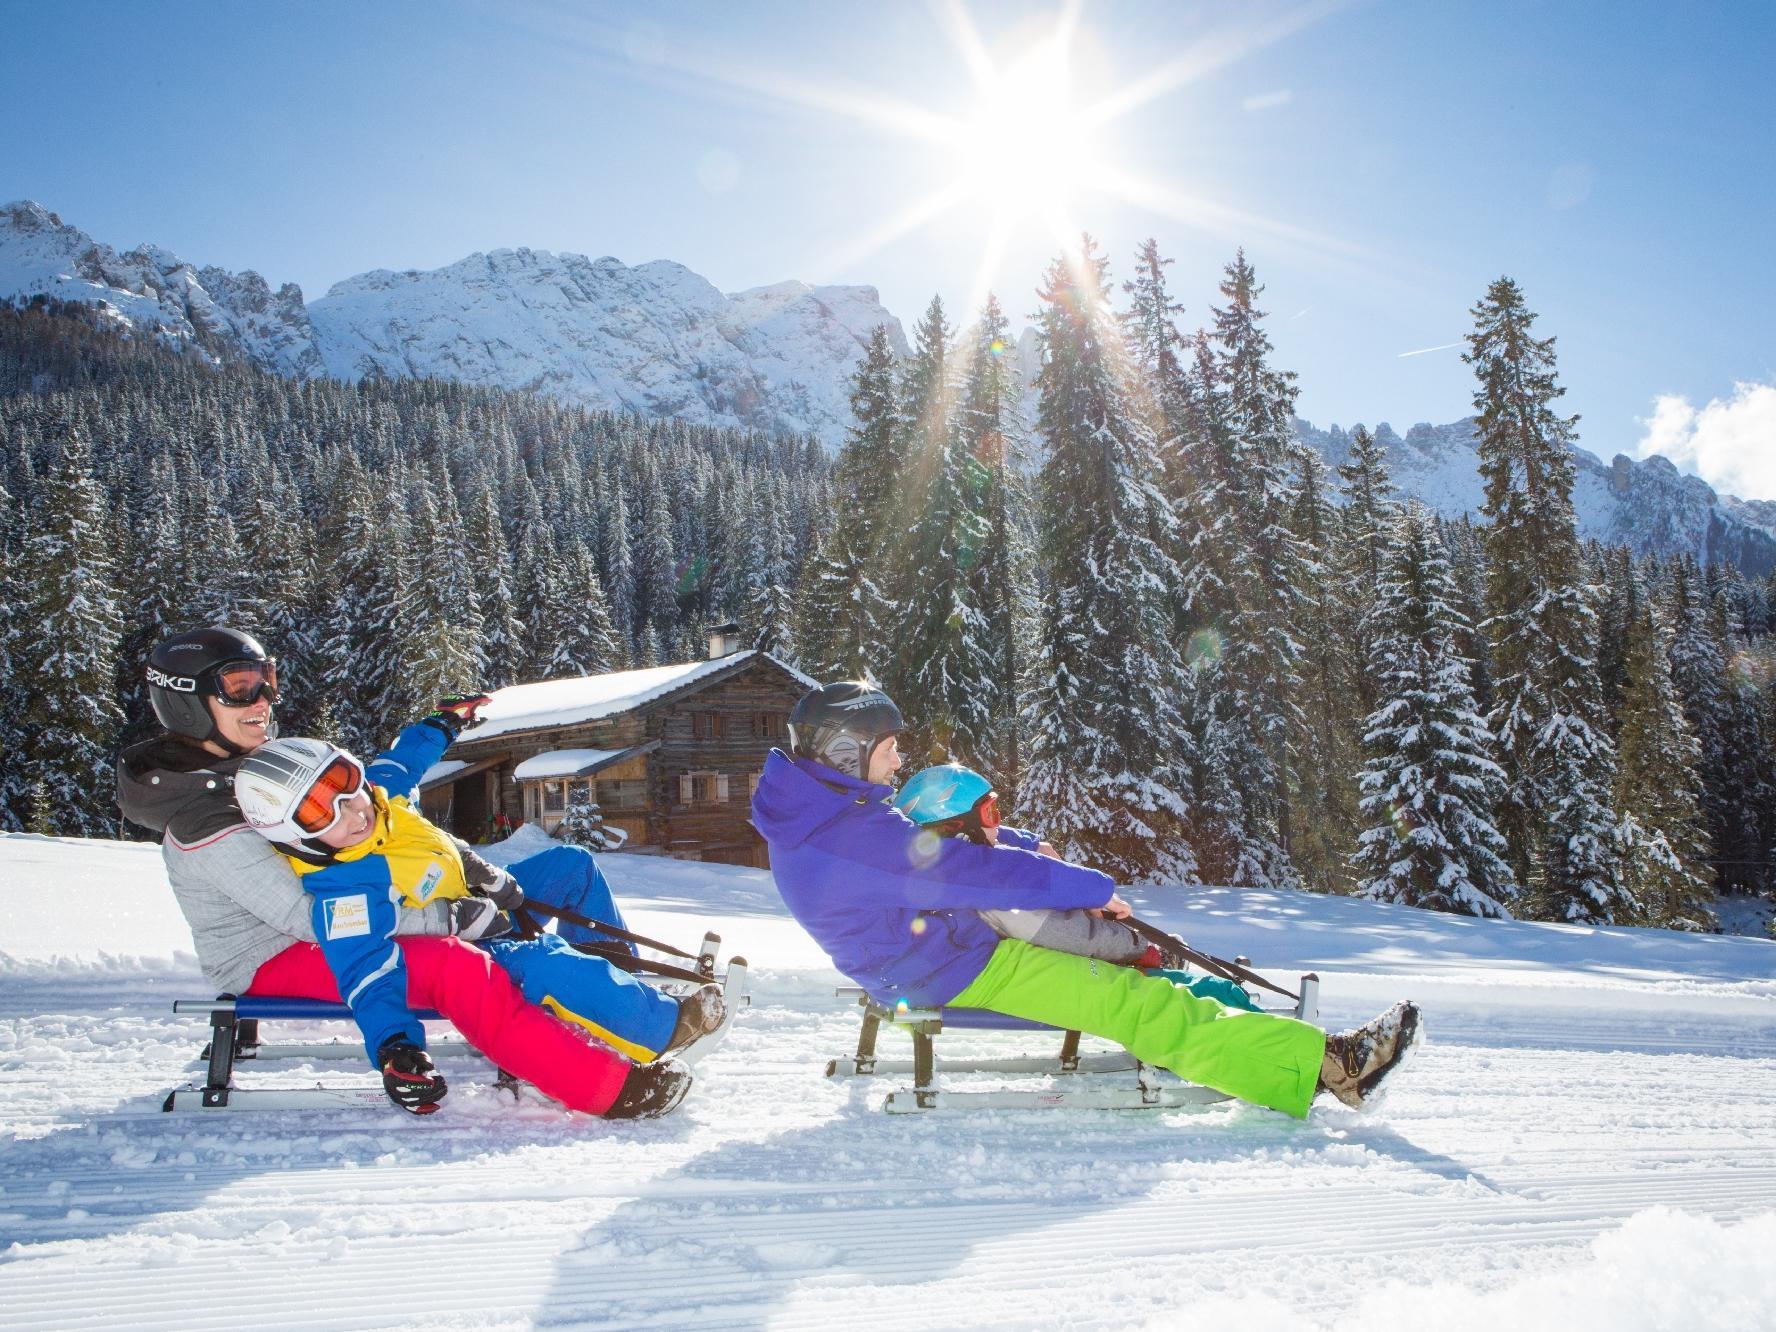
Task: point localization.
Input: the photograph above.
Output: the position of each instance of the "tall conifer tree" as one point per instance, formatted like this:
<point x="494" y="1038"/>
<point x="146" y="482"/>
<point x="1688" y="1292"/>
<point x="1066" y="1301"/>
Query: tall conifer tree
<point x="1106" y="741"/>
<point x="1548" y="712"/>
<point x="1663" y="838"/>
<point x="843" y="620"/>
<point x="67" y="647"/>
<point x="1430" y="785"/>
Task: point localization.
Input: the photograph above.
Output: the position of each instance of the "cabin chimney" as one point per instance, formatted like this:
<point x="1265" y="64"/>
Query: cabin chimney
<point x="724" y="640"/>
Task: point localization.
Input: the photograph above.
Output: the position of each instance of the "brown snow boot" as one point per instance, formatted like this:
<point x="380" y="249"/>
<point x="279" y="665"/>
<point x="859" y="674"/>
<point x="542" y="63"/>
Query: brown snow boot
<point x="1357" y="1062"/>
<point x="699" y="1013"/>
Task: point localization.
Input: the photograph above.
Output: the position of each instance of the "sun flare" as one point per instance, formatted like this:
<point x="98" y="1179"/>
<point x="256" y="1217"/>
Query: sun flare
<point x="1023" y="150"/>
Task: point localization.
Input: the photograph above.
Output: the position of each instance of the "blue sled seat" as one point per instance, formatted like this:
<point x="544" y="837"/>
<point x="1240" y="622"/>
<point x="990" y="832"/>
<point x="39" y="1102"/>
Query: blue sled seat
<point x="277" y="1006"/>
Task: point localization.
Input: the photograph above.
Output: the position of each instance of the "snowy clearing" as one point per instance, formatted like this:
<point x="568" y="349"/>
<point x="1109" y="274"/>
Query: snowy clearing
<point x="1587" y="1141"/>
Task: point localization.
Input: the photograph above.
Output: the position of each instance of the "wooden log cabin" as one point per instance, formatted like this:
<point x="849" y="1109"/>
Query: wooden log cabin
<point x="671" y="754"/>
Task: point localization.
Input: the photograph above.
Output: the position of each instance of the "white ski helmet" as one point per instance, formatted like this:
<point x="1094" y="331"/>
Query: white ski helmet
<point x="291" y="789"/>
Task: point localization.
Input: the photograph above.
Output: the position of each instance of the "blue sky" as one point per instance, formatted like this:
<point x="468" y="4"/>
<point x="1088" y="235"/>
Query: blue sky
<point x="1380" y="162"/>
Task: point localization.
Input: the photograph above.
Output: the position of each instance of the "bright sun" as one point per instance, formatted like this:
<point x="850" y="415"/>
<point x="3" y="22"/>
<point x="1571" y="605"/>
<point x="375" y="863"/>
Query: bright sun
<point x="1024" y="150"/>
<point x="1033" y="154"/>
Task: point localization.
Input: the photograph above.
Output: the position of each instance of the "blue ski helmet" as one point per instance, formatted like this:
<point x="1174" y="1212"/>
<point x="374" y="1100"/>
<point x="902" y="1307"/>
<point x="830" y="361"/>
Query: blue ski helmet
<point x="840" y="725"/>
<point x="948" y="791"/>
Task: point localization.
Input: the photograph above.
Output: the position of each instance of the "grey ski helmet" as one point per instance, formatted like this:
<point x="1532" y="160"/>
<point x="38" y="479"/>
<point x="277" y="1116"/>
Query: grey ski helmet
<point x="187" y="669"/>
<point x="840" y="725"/>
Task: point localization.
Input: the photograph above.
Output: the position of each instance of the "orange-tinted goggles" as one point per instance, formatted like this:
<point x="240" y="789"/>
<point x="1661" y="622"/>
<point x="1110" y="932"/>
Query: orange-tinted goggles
<point x="241" y="683"/>
<point x="339" y="781"/>
<point x="985" y="814"/>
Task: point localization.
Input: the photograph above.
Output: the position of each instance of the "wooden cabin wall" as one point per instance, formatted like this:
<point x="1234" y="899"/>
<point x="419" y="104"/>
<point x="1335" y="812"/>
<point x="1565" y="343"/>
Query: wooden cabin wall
<point x="715" y="830"/>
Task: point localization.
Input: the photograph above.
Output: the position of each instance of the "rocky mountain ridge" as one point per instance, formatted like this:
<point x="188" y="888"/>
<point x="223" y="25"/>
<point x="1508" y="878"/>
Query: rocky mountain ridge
<point x="1645" y="504"/>
<point x="659" y="340"/>
<point x="655" y="339"/>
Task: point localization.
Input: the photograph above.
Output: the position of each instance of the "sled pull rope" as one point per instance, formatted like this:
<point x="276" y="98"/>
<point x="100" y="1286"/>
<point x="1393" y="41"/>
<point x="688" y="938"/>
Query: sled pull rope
<point x="1215" y="966"/>
<point x="586" y="922"/>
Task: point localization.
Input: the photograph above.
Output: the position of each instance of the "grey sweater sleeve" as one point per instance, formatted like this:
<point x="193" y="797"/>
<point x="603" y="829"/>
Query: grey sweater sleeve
<point x="245" y="904"/>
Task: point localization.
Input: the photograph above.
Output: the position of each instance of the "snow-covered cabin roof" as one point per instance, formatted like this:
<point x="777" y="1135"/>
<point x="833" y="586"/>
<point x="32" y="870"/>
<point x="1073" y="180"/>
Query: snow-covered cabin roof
<point x="553" y="703"/>
<point x="442" y="771"/>
<point x="574" y="762"/>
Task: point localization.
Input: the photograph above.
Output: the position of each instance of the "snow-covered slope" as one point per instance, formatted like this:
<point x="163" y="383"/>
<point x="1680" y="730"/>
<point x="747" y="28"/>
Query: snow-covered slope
<point x="1647" y="505"/>
<point x="1587" y="1141"/>
<point x="656" y="339"/>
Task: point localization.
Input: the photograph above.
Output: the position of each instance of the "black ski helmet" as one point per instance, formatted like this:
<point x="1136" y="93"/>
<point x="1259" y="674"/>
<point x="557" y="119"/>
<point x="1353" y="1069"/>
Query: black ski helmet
<point x="840" y="725"/>
<point x="182" y="674"/>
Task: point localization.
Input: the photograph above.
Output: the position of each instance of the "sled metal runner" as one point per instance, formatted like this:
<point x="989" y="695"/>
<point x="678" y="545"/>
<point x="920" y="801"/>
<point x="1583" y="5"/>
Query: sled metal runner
<point x="234" y="1045"/>
<point x="1149" y="1089"/>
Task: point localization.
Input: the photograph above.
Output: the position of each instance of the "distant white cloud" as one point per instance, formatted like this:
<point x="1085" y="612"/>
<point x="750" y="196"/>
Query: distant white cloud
<point x="1265" y="101"/>
<point x="1730" y="443"/>
<point x="1570" y="185"/>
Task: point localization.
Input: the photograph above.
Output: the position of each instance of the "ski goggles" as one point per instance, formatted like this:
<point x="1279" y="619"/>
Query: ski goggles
<point x="240" y="684"/>
<point x="985" y="814"/>
<point x="323" y="804"/>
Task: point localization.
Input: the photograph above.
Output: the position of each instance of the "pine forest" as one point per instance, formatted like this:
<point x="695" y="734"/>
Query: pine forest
<point x="1176" y="642"/>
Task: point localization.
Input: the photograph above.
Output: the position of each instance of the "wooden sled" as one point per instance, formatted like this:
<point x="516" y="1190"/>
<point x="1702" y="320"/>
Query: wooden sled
<point x="1098" y="1086"/>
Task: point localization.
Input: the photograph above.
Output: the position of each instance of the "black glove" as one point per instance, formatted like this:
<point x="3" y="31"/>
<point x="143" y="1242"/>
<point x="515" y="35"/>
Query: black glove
<point x="503" y="891"/>
<point x="409" y="1077"/>
<point x="473" y="918"/>
<point x="456" y="712"/>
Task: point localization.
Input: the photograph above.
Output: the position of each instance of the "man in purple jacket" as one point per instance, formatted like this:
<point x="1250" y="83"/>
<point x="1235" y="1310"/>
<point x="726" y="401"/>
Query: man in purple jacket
<point x="896" y="909"/>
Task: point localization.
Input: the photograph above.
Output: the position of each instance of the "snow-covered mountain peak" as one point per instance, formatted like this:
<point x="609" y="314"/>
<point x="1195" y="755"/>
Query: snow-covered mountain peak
<point x="1645" y="504"/>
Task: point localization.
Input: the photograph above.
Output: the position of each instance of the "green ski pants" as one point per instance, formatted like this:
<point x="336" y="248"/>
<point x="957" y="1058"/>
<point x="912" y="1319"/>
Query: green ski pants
<point x="1259" y="1057"/>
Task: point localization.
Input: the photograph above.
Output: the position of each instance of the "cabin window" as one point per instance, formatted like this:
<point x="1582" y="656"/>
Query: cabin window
<point x="622" y="795"/>
<point x="703" y="788"/>
<point x="552" y="802"/>
<point x="767" y="725"/>
<point x="707" y="726"/>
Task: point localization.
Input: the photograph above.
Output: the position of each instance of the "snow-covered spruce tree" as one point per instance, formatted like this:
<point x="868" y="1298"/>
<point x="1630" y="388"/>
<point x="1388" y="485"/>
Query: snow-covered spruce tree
<point x="66" y="647"/>
<point x="1430" y="784"/>
<point x="990" y="431"/>
<point x="447" y="655"/>
<point x="156" y="589"/>
<point x="1548" y="710"/>
<point x="1663" y="841"/>
<point x="942" y="671"/>
<point x="1698" y="655"/>
<point x="1106" y="744"/>
<point x="360" y="651"/>
<point x="1160" y="354"/>
<point x="1244" y="567"/>
<point x="1364" y="527"/>
<point x="1328" y="745"/>
<point x="536" y="597"/>
<point x="276" y="545"/>
<point x="586" y="643"/>
<point x="490" y="567"/>
<point x="1216" y="745"/>
<point x="14" y="787"/>
<point x="1467" y="565"/>
<point x="656" y="559"/>
<point x="843" y="617"/>
<point x="768" y="609"/>
<point x="619" y="568"/>
<point x="1622" y="593"/>
<point x="1743" y="855"/>
<point x="582" y="824"/>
